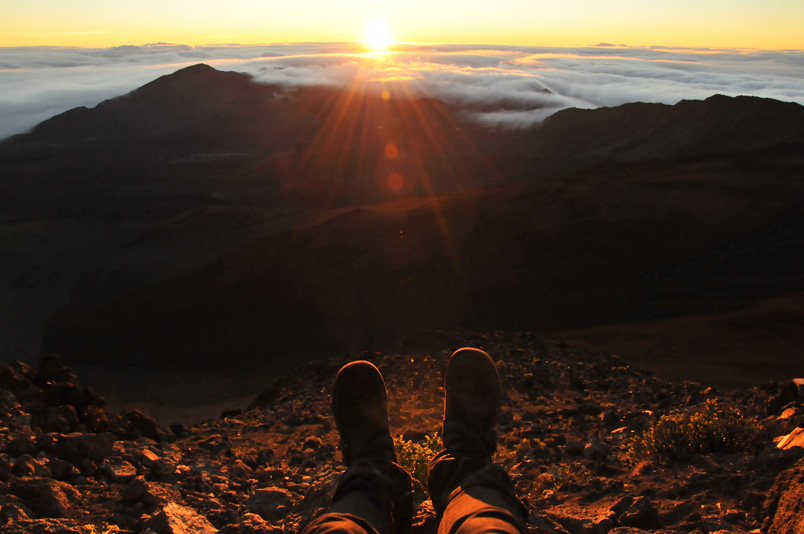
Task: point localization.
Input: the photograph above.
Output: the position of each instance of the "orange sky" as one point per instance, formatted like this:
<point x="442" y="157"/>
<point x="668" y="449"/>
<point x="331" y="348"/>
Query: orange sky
<point x="771" y="24"/>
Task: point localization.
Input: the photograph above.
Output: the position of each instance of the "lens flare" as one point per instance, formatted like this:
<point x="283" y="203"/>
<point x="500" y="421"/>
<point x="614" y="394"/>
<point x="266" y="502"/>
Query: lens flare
<point x="396" y="181"/>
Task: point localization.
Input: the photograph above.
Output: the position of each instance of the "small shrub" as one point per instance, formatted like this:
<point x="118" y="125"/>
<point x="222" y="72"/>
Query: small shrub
<point x="415" y="456"/>
<point x="713" y="427"/>
<point x="90" y="529"/>
<point x="313" y="442"/>
<point x="522" y="448"/>
<point x="532" y="447"/>
<point x="552" y="479"/>
<point x="538" y="448"/>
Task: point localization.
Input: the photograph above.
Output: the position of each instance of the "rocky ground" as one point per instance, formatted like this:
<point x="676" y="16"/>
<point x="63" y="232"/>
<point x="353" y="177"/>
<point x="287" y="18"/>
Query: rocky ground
<point x="68" y="465"/>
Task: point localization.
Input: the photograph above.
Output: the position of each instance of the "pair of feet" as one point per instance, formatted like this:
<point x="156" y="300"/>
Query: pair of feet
<point x="471" y="407"/>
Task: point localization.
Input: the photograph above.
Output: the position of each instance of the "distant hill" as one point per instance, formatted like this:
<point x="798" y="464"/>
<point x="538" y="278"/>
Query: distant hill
<point x="639" y="132"/>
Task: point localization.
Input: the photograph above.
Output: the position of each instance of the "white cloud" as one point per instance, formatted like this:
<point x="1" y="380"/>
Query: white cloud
<point x="499" y="85"/>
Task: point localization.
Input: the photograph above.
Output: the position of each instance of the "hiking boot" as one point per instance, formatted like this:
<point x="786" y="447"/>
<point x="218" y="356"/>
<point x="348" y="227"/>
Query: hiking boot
<point x="463" y="469"/>
<point x="360" y="408"/>
<point x="472" y="403"/>
<point x="374" y="486"/>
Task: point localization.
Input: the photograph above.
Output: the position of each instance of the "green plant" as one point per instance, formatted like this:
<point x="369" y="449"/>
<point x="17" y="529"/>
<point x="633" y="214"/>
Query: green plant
<point x="552" y="479"/>
<point x="90" y="529"/>
<point x="713" y="427"/>
<point x="415" y="456"/>
<point x="313" y="442"/>
<point x="534" y="447"/>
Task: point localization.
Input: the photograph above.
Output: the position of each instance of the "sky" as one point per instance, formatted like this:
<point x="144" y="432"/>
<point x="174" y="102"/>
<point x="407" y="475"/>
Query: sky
<point x="766" y="24"/>
<point x="518" y="60"/>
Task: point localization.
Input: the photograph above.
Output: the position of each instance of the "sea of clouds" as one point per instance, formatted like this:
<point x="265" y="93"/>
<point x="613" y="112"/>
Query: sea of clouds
<point x="498" y="85"/>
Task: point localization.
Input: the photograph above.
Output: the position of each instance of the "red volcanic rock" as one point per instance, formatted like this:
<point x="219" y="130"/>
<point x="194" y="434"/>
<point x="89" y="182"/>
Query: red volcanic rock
<point x="21" y="446"/>
<point x="118" y="471"/>
<point x="799" y="384"/>
<point x="27" y="466"/>
<point x="271" y="503"/>
<point x="582" y="520"/>
<point x="254" y="524"/>
<point x="793" y="439"/>
<point x="784" y="508"/>
<point x="177" y="519"/>
<point x="639" y="512"/>
<point x="143" y="425"/>
<point x="63" y="470"/>
<point x="78" y="447"/>
<point x="48" y="497"/>
<point x="558" y="399"/>
<point x="52" y="370"/>
<point x="62" y="419"/>
<point x="13" y="380"/>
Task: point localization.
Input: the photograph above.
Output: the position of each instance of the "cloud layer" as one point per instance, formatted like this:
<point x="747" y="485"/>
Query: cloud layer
<point x="497" y="85"/>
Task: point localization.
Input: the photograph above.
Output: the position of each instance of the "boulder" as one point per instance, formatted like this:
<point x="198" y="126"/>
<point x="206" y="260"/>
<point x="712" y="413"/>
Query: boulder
<point x="52" y="370"/>
<point x="28" y="466"/>
<point x="177" y="519"/>
<point x="62" y="469"/>
<point x="14" y="381"/>
<point x="780" y="396"/>
<point x="636" y="512"/>
<point x="239" y="470"/>
<point x="581" y="520"/>
<point x="23" y="369"/>
<point x="140" y="490"/>
<point x="799" y="385"/>
<point x="784" y="507"/>
<point x="271" y="504"/>
<point x="46" y="496"/>
<point x="62" y="419"/>
<point x="143" y="425"/>
<point x="148" y="457"/>
<point x="254" y="524"/>
<point x="78" y="447"/>
<point x="21" y="446"/>
<point x="14" y="512"/>
<point x="65" y="393"/>
<point x="118" y="471"/>
<point x="793" y="439"/>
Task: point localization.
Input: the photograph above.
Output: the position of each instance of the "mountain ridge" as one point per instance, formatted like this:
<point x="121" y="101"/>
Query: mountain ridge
<point x="202" y="93"/>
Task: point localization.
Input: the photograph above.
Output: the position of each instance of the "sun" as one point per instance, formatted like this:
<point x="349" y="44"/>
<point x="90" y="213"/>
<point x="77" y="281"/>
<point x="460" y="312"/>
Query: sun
<point x="378" y="38"/>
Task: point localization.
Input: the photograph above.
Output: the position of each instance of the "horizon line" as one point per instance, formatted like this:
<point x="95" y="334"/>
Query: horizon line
<point x="416" y="43"/>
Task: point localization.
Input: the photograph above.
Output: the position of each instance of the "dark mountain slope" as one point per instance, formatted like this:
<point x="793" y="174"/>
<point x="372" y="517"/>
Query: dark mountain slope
<point x="198" y="103"/>
<point x="596" y="248"/>
<point x="638" y="131"/>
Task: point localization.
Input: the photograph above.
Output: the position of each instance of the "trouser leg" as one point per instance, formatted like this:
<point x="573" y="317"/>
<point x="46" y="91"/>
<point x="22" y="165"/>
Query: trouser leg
<point x="334" y="523"/>
<point x="372" y="497"/>
<point x="473" y="495"/>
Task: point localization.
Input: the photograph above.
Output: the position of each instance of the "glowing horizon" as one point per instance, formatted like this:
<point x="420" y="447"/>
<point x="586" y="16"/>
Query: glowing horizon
<point x="773" y="25"/>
